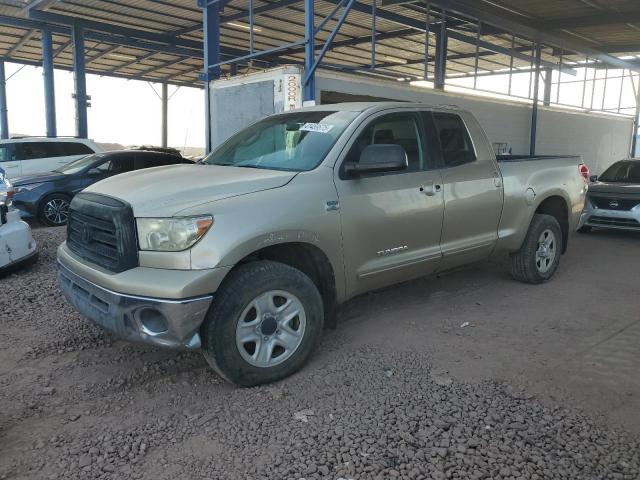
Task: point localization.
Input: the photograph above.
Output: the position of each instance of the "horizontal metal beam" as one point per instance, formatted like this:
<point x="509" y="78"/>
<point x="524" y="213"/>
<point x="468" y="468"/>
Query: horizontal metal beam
<point x="69" y="68"/>
<point x="620" y="48"/>
<point x="528" y="28"/>
<point x="420" y="25"/>
<point x="599" y="20"/>
<point x="113" y="29"/>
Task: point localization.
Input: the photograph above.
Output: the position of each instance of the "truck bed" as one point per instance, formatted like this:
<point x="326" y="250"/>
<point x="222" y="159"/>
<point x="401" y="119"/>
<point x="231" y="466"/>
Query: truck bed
<point x="525" y="158"/>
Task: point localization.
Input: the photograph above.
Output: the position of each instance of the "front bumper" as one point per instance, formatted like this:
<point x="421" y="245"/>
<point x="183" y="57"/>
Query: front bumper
<point x="614" y="219"/>
<point x="16" y="242"/>
<point x="162" y="322"/>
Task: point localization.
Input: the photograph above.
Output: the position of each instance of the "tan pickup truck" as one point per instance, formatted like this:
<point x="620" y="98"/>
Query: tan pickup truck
<point x="248" y="254"/>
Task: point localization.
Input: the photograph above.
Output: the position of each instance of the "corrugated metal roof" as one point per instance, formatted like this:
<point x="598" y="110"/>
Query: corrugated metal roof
<point x="400" y="50"/>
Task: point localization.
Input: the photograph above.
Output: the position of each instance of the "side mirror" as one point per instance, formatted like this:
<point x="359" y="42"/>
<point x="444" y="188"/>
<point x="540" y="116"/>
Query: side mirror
<point x="593" y="178"/>
<point x="379" y="158"/>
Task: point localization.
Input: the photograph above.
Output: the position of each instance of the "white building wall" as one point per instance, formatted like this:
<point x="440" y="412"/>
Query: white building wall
<point x="600" y="139"/>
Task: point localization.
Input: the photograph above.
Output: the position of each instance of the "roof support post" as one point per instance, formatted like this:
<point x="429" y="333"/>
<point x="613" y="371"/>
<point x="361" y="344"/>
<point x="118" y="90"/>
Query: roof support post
<point x="636" y="124"/>
<point x="548" y="75"/>
<point x="211" y="29"/>
<point x="4" y="117"/>
<point x="442" y="42"/>
<point x="309" y="87"/>
<point x="49" y="85"/>
<point x="534" y="110"/>
<point x="165" y="114"/>
<point x="80" y="80"/>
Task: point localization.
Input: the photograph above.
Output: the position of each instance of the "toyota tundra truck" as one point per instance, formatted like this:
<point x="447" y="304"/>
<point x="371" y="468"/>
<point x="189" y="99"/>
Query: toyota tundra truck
<point x="247" y="255"/>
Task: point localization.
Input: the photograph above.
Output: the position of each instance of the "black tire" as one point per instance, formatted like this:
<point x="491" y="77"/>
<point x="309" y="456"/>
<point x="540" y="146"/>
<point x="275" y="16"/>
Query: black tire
<point x="45" y="218"/>
<point x="243" y="285"/>
<point x="524" y="266"/>
<point x="585" y="229"/>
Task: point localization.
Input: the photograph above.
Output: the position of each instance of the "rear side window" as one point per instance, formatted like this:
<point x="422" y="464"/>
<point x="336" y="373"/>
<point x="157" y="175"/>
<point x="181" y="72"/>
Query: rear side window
<point x="457" y="148"/>
<point x="35" y="150"/>
<point x="72" y="148"/>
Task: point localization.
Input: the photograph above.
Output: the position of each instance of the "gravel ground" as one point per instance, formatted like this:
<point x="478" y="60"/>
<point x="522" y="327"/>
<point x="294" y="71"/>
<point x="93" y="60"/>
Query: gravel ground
<point x="76" y="403"/>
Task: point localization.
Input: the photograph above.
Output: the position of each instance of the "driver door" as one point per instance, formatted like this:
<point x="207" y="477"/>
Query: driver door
<point x="391" y="222"/>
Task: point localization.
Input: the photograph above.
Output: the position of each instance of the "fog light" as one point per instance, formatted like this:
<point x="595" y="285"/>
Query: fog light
<point x="153" y="320"/>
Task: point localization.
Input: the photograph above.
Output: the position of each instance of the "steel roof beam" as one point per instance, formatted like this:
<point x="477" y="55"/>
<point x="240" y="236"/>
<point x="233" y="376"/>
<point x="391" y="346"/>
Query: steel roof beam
<point x="601" y="19"/>
<point x="95" y="26"/>
<point x="68" y="68"/>
<point x="21" y="43"/>
<point x="420" y="26"/>
<point x="527" y="28"/>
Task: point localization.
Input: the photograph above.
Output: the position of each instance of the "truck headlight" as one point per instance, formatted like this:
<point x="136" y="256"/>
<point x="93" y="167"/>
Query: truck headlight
<point x="171" y="234"/>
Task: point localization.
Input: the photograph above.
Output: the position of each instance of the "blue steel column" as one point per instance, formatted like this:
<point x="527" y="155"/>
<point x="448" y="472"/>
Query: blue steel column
<point x="49" y="86"/>
<point x="309" y="88"/>
<point x="534" y="110"/>
<point x="4" y="117"/>
<point x="442" y="43"/>
<point x="80" y="81"/>
<point x="636" y="123"/>
<point x="211" y="29"/>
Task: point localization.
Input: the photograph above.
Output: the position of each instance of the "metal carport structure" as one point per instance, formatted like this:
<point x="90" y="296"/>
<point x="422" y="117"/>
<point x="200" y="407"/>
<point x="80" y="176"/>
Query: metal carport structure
<point x="182" y="42"/>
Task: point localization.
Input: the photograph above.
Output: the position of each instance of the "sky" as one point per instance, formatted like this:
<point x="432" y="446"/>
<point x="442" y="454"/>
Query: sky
<point x="122" y="111"/>
<point x="128" y="112"/>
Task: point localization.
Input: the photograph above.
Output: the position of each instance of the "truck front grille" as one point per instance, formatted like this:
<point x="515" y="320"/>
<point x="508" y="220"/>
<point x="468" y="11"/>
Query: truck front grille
<point x="614" y="222"/>
<point x="101" y="230"/>
<point x="611" y="203"/>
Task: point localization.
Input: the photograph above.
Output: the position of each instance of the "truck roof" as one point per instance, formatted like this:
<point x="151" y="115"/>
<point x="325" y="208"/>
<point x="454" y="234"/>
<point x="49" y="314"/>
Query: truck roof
<point x="375" y="106"/>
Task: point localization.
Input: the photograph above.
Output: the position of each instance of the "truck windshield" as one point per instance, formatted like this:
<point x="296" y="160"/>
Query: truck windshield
<point x="626" y="171"/>
<point x="291" y="141"/>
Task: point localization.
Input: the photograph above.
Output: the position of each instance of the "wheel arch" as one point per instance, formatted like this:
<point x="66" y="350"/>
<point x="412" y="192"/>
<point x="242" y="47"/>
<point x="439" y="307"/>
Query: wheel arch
<point x="310" y="260"/>
<point x="556" y="206"/>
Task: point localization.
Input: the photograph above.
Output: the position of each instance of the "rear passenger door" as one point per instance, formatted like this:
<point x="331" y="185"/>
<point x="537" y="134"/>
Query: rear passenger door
<point x="391" y="222"/>
<point x="36" y="157"/>
<point x="472" y="189"/>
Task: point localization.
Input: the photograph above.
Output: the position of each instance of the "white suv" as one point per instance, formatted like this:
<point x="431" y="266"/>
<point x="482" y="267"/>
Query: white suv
<point x="24" y="155"/>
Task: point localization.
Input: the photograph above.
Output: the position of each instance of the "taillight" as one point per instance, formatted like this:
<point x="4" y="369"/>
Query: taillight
<point x="584" y="171"/>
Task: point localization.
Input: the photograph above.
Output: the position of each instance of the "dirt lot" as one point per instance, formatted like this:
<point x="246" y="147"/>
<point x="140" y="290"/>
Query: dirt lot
<point x="542" y="382"/>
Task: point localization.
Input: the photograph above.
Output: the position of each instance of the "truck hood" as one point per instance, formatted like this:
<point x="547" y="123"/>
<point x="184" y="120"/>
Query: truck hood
<point x="165" y="191"/>
<point x="617" y="188"/>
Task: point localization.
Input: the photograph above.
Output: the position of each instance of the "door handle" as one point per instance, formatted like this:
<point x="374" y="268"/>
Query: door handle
<point x="430" y="190"/>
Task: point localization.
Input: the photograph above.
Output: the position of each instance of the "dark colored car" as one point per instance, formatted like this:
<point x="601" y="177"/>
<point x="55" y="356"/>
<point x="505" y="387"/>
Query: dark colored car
<point x="613" y="200"/>
<point x="47" y="195"/>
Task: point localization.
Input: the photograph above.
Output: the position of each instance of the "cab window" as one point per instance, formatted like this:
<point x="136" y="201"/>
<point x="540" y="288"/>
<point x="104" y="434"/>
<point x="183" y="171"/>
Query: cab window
<point x="402" y="129"/>
<point x="455" y="142"/>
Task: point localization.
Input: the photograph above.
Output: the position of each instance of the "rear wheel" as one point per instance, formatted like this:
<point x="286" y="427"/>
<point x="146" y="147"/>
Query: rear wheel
<point x="53" y="211"/>
<point x="265" y="321"/>
<point x="539" y="256"/>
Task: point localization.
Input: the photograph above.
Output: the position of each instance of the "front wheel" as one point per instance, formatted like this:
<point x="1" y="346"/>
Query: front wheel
<point x="539" y="256"/>
<point x="265" y="322"/>
<point x="53" y="211"/>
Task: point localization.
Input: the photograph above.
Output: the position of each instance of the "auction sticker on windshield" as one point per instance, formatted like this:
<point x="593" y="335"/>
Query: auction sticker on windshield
<point x="316" y="127"/>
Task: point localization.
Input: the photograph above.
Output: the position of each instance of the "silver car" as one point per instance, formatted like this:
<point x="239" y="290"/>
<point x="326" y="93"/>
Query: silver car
<point x="613" y="200"/>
